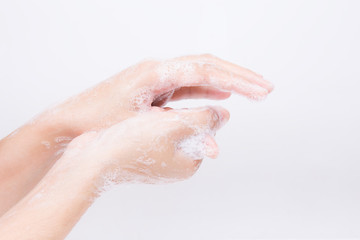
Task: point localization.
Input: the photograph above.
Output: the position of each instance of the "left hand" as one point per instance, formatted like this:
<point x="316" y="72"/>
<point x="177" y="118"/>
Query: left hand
<point x="151" y="84"/>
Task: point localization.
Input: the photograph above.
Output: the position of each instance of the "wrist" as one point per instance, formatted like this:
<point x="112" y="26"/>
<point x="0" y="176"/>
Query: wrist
<point x="81" y="173"/>
<point x="51" y="131"/>
<point x="86" y="157"/>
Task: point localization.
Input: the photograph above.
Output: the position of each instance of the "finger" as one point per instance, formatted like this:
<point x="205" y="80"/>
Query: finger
<point x="193" y="136"/>
<point x="176" y="74"/>
<point x="199" y="92"/>
<point x="247" y="74"/>
<point x="199" y="121"/>
<point x="211" y="117"/>
<point x="190" y="93"/>
<point x="211" y="148"/>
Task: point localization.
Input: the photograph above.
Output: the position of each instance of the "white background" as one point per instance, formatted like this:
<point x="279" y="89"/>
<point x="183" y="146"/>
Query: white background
<point x="289" y="166"/>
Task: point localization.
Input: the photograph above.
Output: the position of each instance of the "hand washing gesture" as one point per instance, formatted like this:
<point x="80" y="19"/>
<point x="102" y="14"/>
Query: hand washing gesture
<point x="118" y="131"/>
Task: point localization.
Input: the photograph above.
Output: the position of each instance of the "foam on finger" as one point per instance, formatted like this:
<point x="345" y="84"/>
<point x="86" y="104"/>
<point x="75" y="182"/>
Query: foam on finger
<point x="199" y="146"/>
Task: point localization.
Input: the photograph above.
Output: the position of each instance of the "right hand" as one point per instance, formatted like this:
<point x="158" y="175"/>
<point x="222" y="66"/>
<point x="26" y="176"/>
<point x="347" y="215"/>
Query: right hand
<point x="150" y="147"/>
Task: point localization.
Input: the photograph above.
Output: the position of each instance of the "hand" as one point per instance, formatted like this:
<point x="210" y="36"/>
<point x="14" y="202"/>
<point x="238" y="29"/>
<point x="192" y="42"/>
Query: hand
<point x="151" y="147"/>
<point x="142" y="141"/>
<point x="151" y="84"/>
<point x="145" y="87"/>
<point x="154" y="146"/>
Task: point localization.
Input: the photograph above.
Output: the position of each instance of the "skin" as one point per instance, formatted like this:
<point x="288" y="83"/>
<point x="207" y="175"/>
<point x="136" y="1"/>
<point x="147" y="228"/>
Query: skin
<point x="94" y="159"/>
<point x="124" y="117"/>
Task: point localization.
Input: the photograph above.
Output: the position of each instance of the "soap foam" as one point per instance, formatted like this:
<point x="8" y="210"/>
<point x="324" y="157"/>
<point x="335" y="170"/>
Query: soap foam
<point x="194" y="146"/>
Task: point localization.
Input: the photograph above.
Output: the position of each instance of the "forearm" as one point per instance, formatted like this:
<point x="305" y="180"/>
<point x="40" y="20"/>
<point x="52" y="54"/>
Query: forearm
<point x="54" y="206"/>
<point x="27" y="154"/>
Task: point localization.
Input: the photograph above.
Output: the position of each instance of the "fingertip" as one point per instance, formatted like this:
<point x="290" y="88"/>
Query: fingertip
<point x="266" y="84"/>
<point x="258" y="93"/>
<point x="270" y="86"/>
<point x="223" y="95"/>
